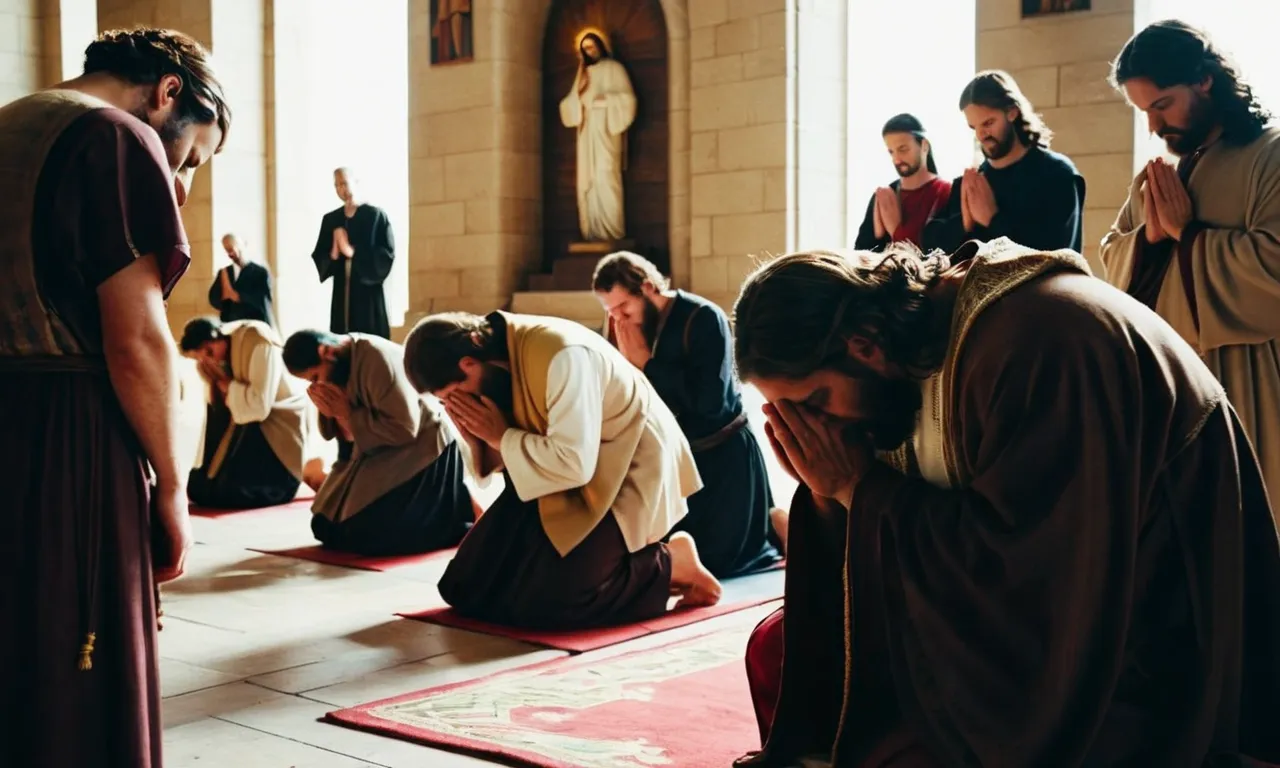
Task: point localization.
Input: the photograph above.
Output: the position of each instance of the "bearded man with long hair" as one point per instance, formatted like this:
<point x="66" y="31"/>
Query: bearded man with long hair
<point x="1199" y="242"/>
<point x="1030" y="529"/>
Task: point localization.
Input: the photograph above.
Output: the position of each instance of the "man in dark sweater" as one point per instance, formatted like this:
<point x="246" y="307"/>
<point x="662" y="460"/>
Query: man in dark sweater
<point x="1023" y="191"/>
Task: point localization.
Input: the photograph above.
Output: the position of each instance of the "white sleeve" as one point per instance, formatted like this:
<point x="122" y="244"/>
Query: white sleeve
<point x="250" y="401"/>
<point x="566" y="456"/>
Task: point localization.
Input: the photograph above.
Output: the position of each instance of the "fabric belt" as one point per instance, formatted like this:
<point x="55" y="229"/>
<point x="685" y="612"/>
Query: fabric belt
<point x="720" y="437"/>
<point x="53" y="364"/>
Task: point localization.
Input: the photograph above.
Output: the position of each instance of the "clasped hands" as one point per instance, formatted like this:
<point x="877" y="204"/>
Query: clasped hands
<point x="819" y="451"/>
<point x="888" y="213"/>
<point x="631" y="343"/>
<point x="478" y="416"/>
<point x="341" y="244"/>
<point x="977" y="200"/>
<point x="1165" y="202"/>
<point x="215" y="374"/>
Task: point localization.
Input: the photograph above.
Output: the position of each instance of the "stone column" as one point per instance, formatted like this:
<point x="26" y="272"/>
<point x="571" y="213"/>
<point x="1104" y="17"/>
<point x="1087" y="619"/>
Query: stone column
<point x="230" y="193"/>
<point x="21" y="48"/>
<point x="475" y="182"/>
<point x="1061" y="62"/>
<point x="740" y="131"/>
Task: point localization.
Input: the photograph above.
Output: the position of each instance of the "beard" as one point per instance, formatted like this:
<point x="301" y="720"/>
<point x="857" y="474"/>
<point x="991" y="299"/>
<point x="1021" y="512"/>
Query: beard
<point x="1184" y="140"/>
<point x="996" y="148"/>
<point x="340" y="371"/>
<point x="649" y="324"/>
<point x="897" y="404"/>
<point x="495" y="384"/>
<point x="907" y="169"/>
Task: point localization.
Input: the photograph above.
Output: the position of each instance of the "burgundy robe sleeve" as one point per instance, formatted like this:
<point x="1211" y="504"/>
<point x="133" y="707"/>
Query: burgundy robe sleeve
<point x="127" y="206"/>
<point x="1008" y="601"/>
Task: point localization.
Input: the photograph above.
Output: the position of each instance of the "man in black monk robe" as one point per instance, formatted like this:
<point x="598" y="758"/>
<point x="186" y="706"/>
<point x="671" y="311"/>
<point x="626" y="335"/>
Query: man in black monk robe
<point x="93" y="171"/>
<point x="401" y="490"/>
<point x="596" y="468"/>
<point x="683" y="344"/>
<point x="1023" y="190"/>
<point x="355" y="249"/>
<point x="255" y="430"/>
<point x="1064" y="554"/>
<point x="242" y="289"/>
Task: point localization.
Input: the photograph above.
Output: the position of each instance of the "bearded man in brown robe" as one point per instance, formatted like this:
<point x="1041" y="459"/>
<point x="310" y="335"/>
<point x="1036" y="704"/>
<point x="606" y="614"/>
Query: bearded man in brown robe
<point x="93" y="171"/>
<point x="1063" y="553"/>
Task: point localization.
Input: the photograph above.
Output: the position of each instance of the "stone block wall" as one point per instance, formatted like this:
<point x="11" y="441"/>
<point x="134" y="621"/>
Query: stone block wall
<point x="740" y="129"/>
<point x="1061" y="63"/>
<point x="475" y="143"/>
<point x="21" y="48"/>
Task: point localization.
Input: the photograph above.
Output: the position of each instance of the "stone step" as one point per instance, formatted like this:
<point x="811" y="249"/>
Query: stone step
<point x="579" y="306"/>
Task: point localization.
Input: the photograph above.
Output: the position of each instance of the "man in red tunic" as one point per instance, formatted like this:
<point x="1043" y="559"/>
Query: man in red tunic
<point x="897" y="213"/>
<point x="1029" y="531"/>
<point x="91" y="242"/>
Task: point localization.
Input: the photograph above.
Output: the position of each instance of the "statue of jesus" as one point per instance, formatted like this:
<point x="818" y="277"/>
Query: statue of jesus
<point x="602" y="106"/>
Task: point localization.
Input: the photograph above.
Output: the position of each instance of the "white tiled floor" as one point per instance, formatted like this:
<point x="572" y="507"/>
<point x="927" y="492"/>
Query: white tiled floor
<point x="256" y="648"/>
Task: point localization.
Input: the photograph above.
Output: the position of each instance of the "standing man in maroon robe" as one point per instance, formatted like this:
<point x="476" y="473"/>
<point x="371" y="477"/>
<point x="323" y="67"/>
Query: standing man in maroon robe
<point x="1062" y="555"/>
<point x="897" y="213"/>
<point x="93" y="172"/>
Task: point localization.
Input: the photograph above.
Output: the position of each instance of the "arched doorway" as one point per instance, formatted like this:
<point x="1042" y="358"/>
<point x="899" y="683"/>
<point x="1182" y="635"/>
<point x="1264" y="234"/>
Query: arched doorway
<point x="638" y="34"/>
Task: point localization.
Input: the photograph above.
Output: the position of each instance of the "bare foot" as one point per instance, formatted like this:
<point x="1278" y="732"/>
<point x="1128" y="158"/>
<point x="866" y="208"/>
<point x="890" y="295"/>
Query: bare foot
<point x="689" y="577"/>
<point x="313" y="474"/>
<point x="780" y="518"/>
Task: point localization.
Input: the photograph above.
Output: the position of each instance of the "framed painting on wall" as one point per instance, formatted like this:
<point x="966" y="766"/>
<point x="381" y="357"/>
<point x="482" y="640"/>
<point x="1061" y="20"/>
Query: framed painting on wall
<point x="451" y="32"/>
<point x="1032" y="8"/>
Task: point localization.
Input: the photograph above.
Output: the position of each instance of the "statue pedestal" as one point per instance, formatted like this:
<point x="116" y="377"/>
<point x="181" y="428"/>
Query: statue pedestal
<point x="573" y="270"/>
<point x="599" y="248"/>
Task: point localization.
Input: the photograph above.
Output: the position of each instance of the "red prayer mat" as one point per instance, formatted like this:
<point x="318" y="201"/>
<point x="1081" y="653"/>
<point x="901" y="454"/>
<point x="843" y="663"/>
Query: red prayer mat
<point x="582" y="640"/>
<point x="319" y="554"/>
<point x="300" y="504"/>
<point x="684" y="704"/>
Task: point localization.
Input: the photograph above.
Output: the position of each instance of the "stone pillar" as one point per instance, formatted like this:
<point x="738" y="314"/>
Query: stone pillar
<point x="819" y="205"/>
<point x="68" y="26"/>
<point x="739" y="123"/>
<point x="21" y="49"/>
<point x="234" y="30"/>
<point x="1061" y="62"/>
<point x="475" y="182"/>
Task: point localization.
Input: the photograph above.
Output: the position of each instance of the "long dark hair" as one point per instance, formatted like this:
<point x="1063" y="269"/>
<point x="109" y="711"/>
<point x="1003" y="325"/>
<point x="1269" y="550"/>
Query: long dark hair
<point x="996" y="89"/>
<point x="437" y="344"/>
<point x="908" y="123"/>
<point x="796" y="314"/>
<point x="143" y="55"/>
<point x="1172" y="52"/>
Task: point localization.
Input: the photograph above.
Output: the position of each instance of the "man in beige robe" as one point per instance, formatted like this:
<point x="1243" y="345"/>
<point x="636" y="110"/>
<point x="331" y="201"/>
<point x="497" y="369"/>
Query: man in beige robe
<point x="401" y="491"/>
<point x="255" y="431"/>
<point x="597" y="473"/>
<point x="1200" y="243"/>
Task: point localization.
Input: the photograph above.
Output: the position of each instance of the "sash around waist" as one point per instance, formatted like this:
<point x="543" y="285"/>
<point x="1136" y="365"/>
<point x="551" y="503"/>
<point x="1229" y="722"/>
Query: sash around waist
<point x="719" y="437"/>
<point x="20" y="364"/>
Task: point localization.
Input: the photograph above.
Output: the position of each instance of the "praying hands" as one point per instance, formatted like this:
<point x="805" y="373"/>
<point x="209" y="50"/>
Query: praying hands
<point x="632" y="344"/>
<point x="888" y="213"/>
<point x="1165" y="202"/>
<point x="216" y="375"/>
<point x="341" y="245"/>
<point x="816" y="450"/>
<point x="479" y="416"/>
<point x="331" y="401"/>
<point x="977" y="200"/>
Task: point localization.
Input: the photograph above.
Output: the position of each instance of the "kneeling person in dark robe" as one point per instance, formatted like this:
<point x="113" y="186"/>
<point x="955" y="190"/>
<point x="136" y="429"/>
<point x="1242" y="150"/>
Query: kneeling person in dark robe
<point x="683" y="344"/>
<point x="401" y="491"/>
<point x="1063" y="553"/>
<point x="597" y="472"/>
<point x="255" y="425"/>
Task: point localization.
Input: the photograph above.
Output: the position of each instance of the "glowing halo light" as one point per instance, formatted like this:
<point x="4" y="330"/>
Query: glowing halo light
<point x="600" y="33"/>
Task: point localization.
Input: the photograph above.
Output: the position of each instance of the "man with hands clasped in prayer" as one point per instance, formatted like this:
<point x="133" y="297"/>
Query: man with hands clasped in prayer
<point x="1030" y="528"/>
